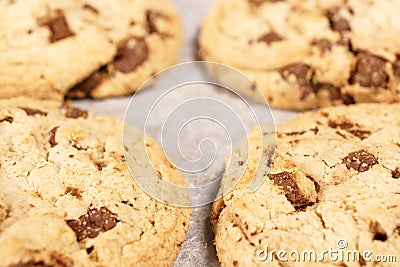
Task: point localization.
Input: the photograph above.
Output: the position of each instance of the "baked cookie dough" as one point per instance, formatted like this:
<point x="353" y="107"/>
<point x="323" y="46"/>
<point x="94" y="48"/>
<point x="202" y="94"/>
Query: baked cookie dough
<point x="68" y="199"/>
<point x="308" y="54"/>
<point x="335" y="177"/>
<point x="84" y="48"/>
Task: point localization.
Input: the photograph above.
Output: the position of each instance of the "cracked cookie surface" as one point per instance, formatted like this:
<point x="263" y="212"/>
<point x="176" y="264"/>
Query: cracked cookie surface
<point x="334" y="176"/>
<point x="68" y="199"/>
<point x="84" y="48"/>
<point x="308" y="54"/>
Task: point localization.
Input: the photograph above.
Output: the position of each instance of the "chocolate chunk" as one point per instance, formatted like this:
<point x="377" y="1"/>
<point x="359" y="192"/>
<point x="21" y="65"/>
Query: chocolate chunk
<point x="337" y="22"/>
<point x="8" y="119"/>
<point x="362" y="134"/>
<point x="131" y="55"/>
<point x="370" y="71"/>
<point x="348" y="99"/>
<point x="396" y="67"/>
<point x="360" y="161"/>
<point x="59" y="28"/>
<point x="73" y="192"/>
<point x="323" y="44"/>
<point x="32" y="112"/>
<point x="91" y="8"/>
<point x="52" y="139"/>
<point x="302" y="72"/>
<point x="342" y="125"/>
<point x="270" y="37"/>
<point x="90" y="225"/>
<point x="396" y="173"/>
<point x="151" y="17"/>
<point x="334" y="92"/>
<point x="287" y="182"/>
<point x="378" y="232"/>
<point x="85" y="87"/>
<point x="30" y="264"/>
<point x="74" y="113"/>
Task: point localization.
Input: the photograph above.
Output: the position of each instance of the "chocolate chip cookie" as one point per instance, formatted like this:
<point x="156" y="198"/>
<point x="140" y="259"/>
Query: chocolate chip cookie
<point x="68" y="199"/>
<point x="308" y="54"/>
<point x="84" y="48"/>
<point x="333" y="184"/>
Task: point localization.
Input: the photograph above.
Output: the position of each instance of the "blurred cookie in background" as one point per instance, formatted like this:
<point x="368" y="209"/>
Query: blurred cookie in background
<point x="308" y="54"/>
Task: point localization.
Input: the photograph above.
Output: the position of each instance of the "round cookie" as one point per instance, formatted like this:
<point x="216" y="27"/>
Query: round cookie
<point x="308" y="54"/>
<point x="84" y="48"/>
<point x="68" y="199"/>
<point x="335" y="176"/>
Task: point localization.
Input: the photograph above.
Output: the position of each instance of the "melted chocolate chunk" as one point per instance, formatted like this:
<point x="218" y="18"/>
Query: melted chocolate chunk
<point x="86" y="86"/>
<point x="74" y="113"/>
<point x="396" y="174"/>
<point x="287" y="182"/>
<point x="30" y="264"/>
<point x="131" y="55"/>
<point x="334" y="92"/>
<point x="52" y="139"/>
<point x="360" y="161"/>
<point x="378" y="232"/>
<point x="337" y="22"/>
<point x="32" y="112"/>
<point x="90" y="225"/>
<point x="370" y="71"/>
<point x="302" y="72"/>
<point x="323" y="44"/>
<point x="59" y="28"/>
<point x="270" y="37"/>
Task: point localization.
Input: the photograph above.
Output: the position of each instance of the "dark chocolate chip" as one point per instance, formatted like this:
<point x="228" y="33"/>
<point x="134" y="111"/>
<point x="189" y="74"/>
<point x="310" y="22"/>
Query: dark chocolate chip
<point x="59" y="28"/>
<point x="8" y="119"/>
<point x="89" y="250"/>
<point x="323" y="44"/>
<point x="362" y="134"/>
<point x="90" y="225"/>
<point x="379" y="234"/>
<point x="287" y="182"/>
<point x="73" y="192"/>
<point x="302" y="72"/>
<point x="32" y="112"/>
<point x="396" y="173"/>
<point x="52" y="139"/>
<point x="91" y="8"/>
<point x="342" y="125"/>
<point x="270" y="37"/>
<point x="360" y="161"/>
<point x="337" y="22"/>
<point x="370" y="71"/>
<point x="30" y="264"/>
<point x="348" y="99"/>
<point x="85" y="87"/>
<point x="74" y="113"/>
<point x="131" y="55"/>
